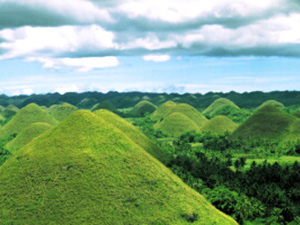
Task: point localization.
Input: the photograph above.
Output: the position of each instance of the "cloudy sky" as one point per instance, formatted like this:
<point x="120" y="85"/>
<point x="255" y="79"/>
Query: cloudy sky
<point x="149" y="45"/>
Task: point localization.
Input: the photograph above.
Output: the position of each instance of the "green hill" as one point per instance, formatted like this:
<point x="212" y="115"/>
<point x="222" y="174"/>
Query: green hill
<point x="1" y="108"/>
<point x="143" y="107"/>
<point x="221" y="106"/>
<point x="105" y="105"/>
<point x="86" y="171"/>
<point x="219" y="125"/>
<point x="176" y="124"/>
<point x="267" y="122"/>
<point x="132" y="132"/>
<point x="87" y="103"/>
<point x="30" y="114"/>
<point x="163" y="110"/>
<point x="272" y="103"/>
<point x="24" y="137"/>
<point x="170" y="107"/>
<point x="60" y="112"/>
<point x="9" y="111"/>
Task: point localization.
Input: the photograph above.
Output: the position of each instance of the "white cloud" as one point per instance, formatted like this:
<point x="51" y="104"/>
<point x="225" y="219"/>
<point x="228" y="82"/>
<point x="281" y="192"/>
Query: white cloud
<point x="157" y="58"/>
<point x="68" y="88"/>
<point x="79" y="64"/>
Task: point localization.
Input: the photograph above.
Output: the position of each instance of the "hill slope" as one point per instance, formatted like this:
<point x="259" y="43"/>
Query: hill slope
<point x="267" y="122"/>
<point x="219" y="125"/>
<point x="176" y="124"/>
<point x="132" y="132"/>
<point x="85" y="171"/>
<point x="31" y="113"/>
<point x="24" y="137"/>
<point x="9" y="111"/>
<point x="143" y="107"/>
<point x="274" y="103"/>
<point x="163" y="110"/>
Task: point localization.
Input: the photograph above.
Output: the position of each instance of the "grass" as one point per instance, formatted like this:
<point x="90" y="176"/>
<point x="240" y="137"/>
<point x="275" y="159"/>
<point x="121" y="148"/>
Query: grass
<point x="9" y="111"/>
<point x="60" y="112"/>
<point x="219" y="125"/>
<point x="274" y="103"/>
<point x="132" y="132"/>
<point x="105" y="105"/>
<point x="143" y="107"/>
<point x="267" y="122"/>
<point x="28" y="115"/>
<point x="86" y="171"/>
<point x="221" y="106"/>
<point x="24" y="137"/>
<point x="163" y="110"/>
<point x="176" y="124"/>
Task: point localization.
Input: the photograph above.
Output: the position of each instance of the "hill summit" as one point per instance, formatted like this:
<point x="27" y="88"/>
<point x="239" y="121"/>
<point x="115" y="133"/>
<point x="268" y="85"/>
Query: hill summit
<point x="143" y="107"/>
<point x="219" y="125"/>
<point x="86" y="171"/>
<point x="60" y="112"/>
<point x="221" y="106"/>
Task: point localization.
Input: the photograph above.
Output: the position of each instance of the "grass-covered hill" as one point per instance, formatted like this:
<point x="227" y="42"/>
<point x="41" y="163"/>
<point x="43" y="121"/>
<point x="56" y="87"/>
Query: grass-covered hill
<point x="163" y="110"/>
<point x="60" y="112"/>
<point x="143" y="107"/>
<point x="221" y="106"/>
<point x="272" y="103"/>
<point x="176" y="124"/>
<point x="132" y="132"/>
<point x="87" y="103"/>
<point x="105" y="105"/>
<point x="268" y="122"/>
<point x="9" y="111"/>
<point x="24" y="137"/>
<point x="86" y="171"/>
<point x="170" y="107"/>
<point x="28" y="115"/>
<point x="219" y="125"/>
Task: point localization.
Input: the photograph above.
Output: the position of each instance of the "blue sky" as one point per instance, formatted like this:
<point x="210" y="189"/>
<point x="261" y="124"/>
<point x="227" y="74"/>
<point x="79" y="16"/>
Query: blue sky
<point x="143" y="45"/>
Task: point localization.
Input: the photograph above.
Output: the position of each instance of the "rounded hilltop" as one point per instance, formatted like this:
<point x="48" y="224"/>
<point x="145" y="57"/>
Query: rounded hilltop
<point x="143" y="107"/>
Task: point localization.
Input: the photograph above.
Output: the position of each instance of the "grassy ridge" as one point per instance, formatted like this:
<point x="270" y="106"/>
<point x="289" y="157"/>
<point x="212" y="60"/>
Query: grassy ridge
<point x="31" y="113"/>
<point x="176" y="124"/>
<point x="24" y="137"/>
<point x="86" y="171"/>
<point x="219" y="125"/>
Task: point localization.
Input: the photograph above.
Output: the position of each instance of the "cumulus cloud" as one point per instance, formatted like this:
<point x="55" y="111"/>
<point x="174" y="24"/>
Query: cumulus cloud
<point x="54" y="30"/>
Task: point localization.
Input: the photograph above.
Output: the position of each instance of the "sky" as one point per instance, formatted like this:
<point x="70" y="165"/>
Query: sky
<point x="149" y="45"/>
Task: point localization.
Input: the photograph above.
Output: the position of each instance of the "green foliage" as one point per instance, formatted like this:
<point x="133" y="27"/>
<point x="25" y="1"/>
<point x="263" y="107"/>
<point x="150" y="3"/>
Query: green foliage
<point x="273" y="103"/>
<point x="219" y="125"/>
<point x="143" y="107"/>
<point x="28" y="115"/>
<point x="60" y="112"/>
<point x="105" y="105"/>
<point x="86" y="171"/>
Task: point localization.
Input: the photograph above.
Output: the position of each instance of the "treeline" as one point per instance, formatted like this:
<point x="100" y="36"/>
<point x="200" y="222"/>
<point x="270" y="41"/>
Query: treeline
<point x="129" y="99"/>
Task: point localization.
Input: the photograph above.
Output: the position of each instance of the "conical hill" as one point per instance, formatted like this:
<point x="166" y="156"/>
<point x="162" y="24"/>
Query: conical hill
<point x="60" y="112"/>
<point x="267" y="122"/>
<point x="143" y="107"/>
<point x="31" y="113"/>
<point x="105" y="105"/>
<point x="176" y="124"/>
<point x="9" y="111"/>
<point x="221" y="106"/>
<point x="86" y="171"/>
<point x="219" y="125"/>
<point x="170" y="107"/>
<point x="132" y="132"/>
<point x="24" y="137"/>
<point x="274" y="103"/>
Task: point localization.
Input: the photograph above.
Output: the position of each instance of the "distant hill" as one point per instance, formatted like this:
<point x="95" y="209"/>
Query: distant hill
<point x="268" y="122"/>
<point x="24" y="137"/>
<point x="170" y="107"/>
<point x="143" y="107"/>
<point x="28" y="115"/>
<point x="86" y="171"/>
<point x="221" y="106"/>
<point x="105" y="105"/>
<point x="87" y="103"/>
<point x="176" y="124"/>
<point x="219" y="125"/>
<point x="60" y="112"/>
<point x="132" y="132"/>
<point x="9" y="111"/>
<point x="272" y="103"/>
